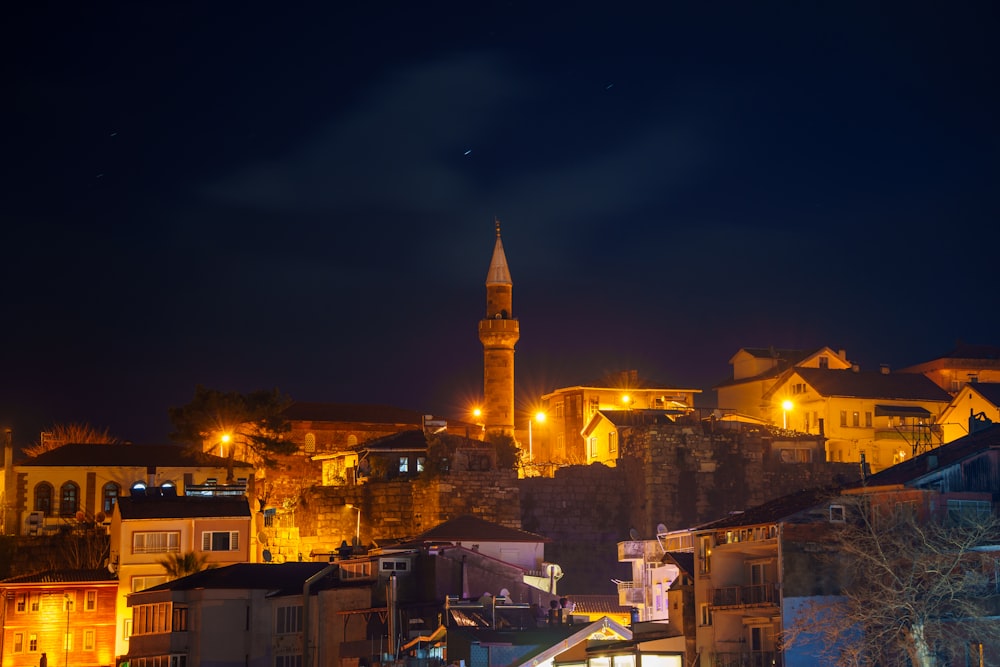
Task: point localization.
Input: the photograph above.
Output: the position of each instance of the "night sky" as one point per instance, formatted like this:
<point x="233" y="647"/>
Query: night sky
<point x="250" y="196"/>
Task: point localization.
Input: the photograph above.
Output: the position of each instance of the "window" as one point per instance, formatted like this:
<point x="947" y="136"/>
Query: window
<point x="21" y="603"/>
<point x="404" y="464"/>
<point x="127" y="628"/>
<point x="32" y="643"/>
<point x="69" y="601"/>
<point x="593" y="447"/>
<point x="855" y="419"/>
<point x="18" y="642"/>
<point x="220" y="540"/>
<point x="142" y="583"/>
<point x="90" y="601"/>
<point x="310" y="443"/>
<point x="156" y="543"/>
<point x="824" y="361"/>
<point x="180" y="620"/>
<point x="868" y="419"/>
<point x="35" y="602"/>
<point x="420" y="463"/>
<point x="395" y="566"/>
<point x="705" y="551"/>
<point x="148" y="619"/>
<point x="837" y="513"/>
<point x="178" y="661"/>
<point x="109" y="495"/>
<point x="43" y="498"/>
<point x="288" y="620"/>
<point x="69" y="499"/>
<point x="613" y="442"/>
<point x="67" y="641"/>
<point x="706" y="614"/>
<point x="968" y="510"/>
<point x="288" y="661"/>
<point x="88" y="640"/>
<point x="843" y="418"/>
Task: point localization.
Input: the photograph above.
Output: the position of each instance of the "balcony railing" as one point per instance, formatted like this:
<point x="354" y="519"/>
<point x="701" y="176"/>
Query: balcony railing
<point x="748" y="659"/>
<point x="758" y="595"/>
<point x="630" y="593"/>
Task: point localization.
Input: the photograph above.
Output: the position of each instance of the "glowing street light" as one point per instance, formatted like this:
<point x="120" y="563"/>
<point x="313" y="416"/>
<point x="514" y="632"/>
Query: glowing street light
<point x="540" y="418"/>
<point x="357" y="530"/>
<point x="786" y="407"/>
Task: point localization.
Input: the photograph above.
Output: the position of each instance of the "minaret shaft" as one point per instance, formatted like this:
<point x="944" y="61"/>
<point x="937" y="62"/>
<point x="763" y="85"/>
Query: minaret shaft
<point x="499" y="333"/>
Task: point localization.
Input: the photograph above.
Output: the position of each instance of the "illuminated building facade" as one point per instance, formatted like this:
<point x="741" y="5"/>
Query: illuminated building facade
<point x="69" y="615"/>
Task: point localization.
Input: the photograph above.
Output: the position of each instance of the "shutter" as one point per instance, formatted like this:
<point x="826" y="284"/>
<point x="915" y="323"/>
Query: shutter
<point x="234" y="540"/>
<point x="206" y="541"/>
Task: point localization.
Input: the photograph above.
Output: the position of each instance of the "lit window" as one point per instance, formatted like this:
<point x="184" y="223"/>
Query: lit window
<point x="706" y="614"/>
<point x="855" y="419"/>
<point x="404" y="464"/>
<point x="21" y="603"/>
<point x="32" y="643"/>
<point x="156" y="543"/>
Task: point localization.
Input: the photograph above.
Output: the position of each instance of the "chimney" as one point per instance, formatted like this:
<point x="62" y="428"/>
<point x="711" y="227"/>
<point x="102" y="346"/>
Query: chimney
<point x="855" y="368"/>
<point x="884" y="368"/>
<point x="842" y="354"/>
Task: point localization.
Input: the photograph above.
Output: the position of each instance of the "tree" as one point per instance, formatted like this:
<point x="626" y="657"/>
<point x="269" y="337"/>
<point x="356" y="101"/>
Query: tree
<point x="508" y="453"/>
<point x="254" y="420"/>
<point x="914" y="589"/>
<point x="182" y="564"/>
<point x="63" y="434"/>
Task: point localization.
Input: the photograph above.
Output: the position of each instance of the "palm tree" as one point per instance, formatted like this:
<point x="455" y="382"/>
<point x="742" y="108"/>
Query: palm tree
<point x="181" y="565"/>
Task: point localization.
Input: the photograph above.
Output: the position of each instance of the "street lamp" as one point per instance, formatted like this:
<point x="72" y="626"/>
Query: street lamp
<point x="786" y="407"/>
<point x="540" y="418"/>
<point x="357" y="530"/>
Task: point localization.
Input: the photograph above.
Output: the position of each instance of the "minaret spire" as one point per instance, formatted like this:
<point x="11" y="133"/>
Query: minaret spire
<point x="498" y="334"/>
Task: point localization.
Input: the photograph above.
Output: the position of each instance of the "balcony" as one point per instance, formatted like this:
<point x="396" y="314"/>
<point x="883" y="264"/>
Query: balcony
<point x="758" y="595"/>
<point x="630" y="594"/>
<point x="632" y="550"/>
<point x="748" y="659"/>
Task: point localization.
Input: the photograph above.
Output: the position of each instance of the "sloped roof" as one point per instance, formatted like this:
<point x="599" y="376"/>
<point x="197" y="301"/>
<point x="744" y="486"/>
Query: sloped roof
<point x="352" y="413"/>
<point x="988" y="390"/>
<point x="182" y="507"/>
<point x="910" y="470"/>
<point x="597" y="604"/>
<point x="775" y="510"/>
<point x="871" y="384"/>
<point x="787" y="355"/>
<point x="683" y="559"/>
<point x="963" y="350"/>
<point x="63" y="577"/>
<point x="404" y="441"/>
<point x="468" y="528"/>
<point x="278" y="577"/>
<point x="786" y="359"/>
<point x="128" y="456"/>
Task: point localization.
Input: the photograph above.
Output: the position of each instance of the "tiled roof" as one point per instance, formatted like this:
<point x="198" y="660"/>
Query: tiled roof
<point x="597" y="604"/>
<point x="964" y="350"/>
<point x="351" y="412"/>
<point x="279" y="577"/>
<point x="873" y="384"/>
<point x="182" y="507"/>
<point x="473" y="529"/>
<point x="787" y="355"/>
<point x="63" y="577"/>
<point x="912" y="469"/>
<point x="128" y="456"/>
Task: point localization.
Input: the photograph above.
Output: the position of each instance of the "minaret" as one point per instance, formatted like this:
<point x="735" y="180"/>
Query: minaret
<point x="498" y="334"/>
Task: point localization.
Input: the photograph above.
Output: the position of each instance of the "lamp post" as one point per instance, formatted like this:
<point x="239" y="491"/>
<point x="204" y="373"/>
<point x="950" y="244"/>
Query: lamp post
<point x="66" y="602"/>
<point x="540" y="418"/>
<point x="786" y="406"/>
<point x="357" y="530"/>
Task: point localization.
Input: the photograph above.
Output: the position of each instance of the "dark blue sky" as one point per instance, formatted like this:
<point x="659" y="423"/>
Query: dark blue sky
<point x="249" y="196"/>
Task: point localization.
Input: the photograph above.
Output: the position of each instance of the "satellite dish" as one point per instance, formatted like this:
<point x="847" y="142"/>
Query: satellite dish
<point x="661" y="529"/>
<point x="101" y="517"/>
<point x="504" y="593"/>
<point x="267" y="555"/>
<point x="633" y="533"/>
<point x="81" y="516"/>
<point x="262" y="538"/>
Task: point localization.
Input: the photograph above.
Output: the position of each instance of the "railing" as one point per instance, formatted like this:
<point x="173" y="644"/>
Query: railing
<point x="748" y="659"/>
<point x="629" y="593"/>
<point x="746" y="596"/>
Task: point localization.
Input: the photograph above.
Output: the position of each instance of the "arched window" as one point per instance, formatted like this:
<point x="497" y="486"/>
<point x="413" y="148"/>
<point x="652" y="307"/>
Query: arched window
<point x="138" y="486"/>
<point x="110" y="497"/>
<point x="310" y="444"/>
<point x="352" y="440"/>
<point x="69" y="499"/>
<point x="43" y="498"/>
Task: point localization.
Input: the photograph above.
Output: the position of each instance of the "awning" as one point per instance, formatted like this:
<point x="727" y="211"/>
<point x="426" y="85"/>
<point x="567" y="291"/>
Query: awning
<point x="901" y="411"/>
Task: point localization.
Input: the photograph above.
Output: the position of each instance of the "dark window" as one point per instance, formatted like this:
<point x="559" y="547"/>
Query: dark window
<point x="43" y="498"/>
<point x="111" y="491"/>
<point x="69" y="499"/>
